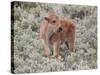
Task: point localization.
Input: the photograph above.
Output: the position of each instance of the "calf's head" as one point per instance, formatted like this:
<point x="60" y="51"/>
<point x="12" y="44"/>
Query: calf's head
<point x="53" y="21"/>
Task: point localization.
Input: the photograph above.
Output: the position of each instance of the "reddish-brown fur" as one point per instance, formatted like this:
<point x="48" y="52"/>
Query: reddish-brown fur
<point x="55" y="31"/>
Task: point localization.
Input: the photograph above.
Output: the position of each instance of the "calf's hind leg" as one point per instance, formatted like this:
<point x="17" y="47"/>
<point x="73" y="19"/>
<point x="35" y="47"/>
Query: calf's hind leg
<point x="71" y="40"/>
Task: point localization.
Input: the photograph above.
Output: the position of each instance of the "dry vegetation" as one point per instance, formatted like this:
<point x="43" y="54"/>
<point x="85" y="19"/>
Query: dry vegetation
<point x="28" y="49"/>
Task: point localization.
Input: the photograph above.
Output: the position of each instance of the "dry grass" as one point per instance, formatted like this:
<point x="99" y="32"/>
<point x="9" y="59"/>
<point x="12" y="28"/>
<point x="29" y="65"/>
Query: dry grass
<point x="28" y="56"/>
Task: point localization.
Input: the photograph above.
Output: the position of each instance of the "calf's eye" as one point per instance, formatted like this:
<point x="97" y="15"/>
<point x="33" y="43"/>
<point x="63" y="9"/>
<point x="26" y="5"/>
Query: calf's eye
<point x="53" y="21"/>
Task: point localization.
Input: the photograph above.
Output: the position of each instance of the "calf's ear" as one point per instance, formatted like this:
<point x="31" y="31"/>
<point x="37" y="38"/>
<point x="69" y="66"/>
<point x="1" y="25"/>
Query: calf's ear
<point x="46" y="18"/>
<point x="60" y="29"/>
